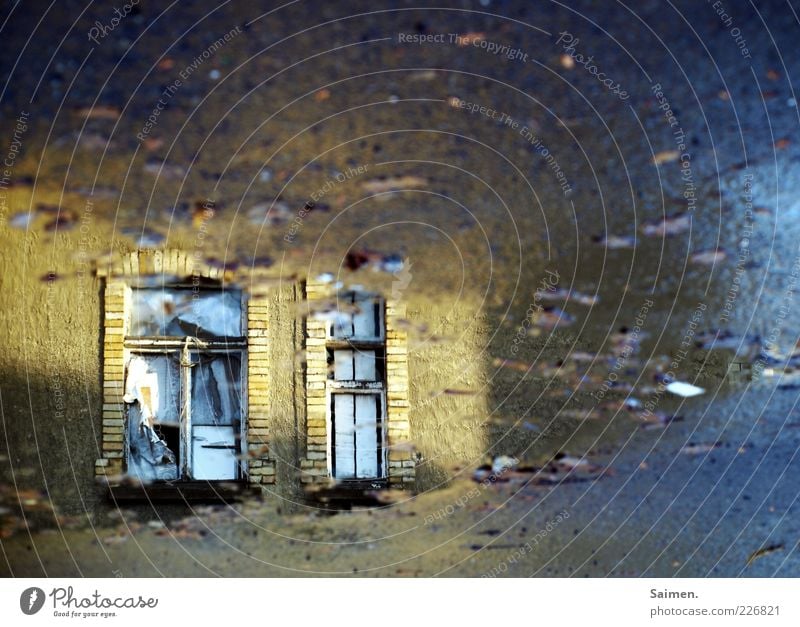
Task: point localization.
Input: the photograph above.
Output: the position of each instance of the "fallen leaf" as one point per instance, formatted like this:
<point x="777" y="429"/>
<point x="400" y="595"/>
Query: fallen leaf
<point x="763" y="551"/>
<point x="99" y="112"/>
<point x="666" y="156"/>
<point x="699" y="448"/>
<point x="566" y="61"/>
<point x="151" y="144"/>
<point x="615" y="242"/>
<point x="708" y="257"/>
<point x="393" y="183"/>
<point x="671" y="225"/>
<point x="468" y="39"/>
<point x="512" y="364"/>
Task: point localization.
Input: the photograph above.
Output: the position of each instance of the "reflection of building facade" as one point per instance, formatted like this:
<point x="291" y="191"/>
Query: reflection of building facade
<point x="195" y="372"/>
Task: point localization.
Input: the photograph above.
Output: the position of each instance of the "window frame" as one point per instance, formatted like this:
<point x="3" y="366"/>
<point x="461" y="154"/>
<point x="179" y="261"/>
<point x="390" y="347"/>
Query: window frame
<point x="379" y="339"/>
<point x="376" y="387"/>
<point x="166" y="345"/>
<point x="382" y="452"/>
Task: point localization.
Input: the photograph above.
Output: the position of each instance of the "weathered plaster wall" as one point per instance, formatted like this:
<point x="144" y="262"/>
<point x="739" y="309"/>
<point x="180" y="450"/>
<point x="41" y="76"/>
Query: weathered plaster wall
<point x="447" y="373"/>
<point x="51" y="335"/>
<point x="49" y="368"/>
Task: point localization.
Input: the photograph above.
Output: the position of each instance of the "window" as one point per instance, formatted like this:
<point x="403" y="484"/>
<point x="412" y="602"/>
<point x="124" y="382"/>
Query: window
<point x="183" y="383"/>
<point x="357" y="399"/>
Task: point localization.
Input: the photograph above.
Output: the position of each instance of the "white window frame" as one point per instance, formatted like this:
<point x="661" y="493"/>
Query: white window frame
<point x="377" y="387"/>
<point x="379" y="339"/>
<point x="381" y="443"/>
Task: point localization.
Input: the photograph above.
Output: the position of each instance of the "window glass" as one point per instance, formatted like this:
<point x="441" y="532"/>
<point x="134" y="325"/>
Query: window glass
<point x="356" y="448"/>
<point x="185" y="312"/>
<point x="359" y="318"/>
<point x="354" y="365"/>
<point x="216" y="390"/>
<point x="214" y="453"/>
<point x="215" y="416"/>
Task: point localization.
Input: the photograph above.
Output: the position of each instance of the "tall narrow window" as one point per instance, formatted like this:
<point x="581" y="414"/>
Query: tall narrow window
<point x="357" y="399"/>
<point x="183" y="383"/>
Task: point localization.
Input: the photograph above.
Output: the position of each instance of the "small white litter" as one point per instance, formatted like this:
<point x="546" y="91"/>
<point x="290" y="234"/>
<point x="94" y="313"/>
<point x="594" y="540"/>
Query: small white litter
<point x="502" y="463"/>
<point x="686" y="390"/>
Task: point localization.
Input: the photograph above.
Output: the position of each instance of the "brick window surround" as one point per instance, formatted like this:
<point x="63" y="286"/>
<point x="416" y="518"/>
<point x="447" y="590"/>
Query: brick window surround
<point x="316" y="465"/>
<point x="119" y="277"/>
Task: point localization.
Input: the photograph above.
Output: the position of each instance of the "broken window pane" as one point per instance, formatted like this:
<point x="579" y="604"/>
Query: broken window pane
<point x="185" y="312"/>
<point x="152" y="390"/>
<point x="155" y="428"/>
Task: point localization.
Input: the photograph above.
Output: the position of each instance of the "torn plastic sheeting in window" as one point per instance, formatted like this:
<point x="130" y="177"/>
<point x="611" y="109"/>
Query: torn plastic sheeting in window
<point x="184" y="312"/>
<point x="152" y="390"/>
